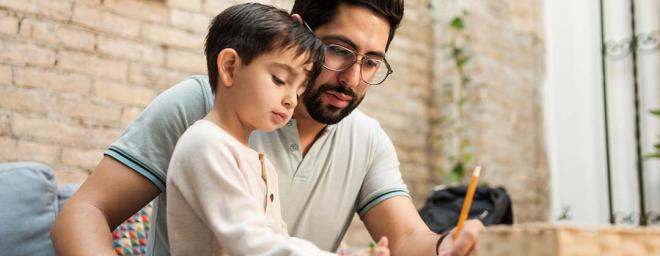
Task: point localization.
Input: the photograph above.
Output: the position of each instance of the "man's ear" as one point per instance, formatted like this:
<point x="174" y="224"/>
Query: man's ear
<point x="228" y="62"/>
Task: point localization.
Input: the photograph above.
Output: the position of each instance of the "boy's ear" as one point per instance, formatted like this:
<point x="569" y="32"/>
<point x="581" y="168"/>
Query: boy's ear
<point x="228" y="62"/>
<point x="296" y="17"/>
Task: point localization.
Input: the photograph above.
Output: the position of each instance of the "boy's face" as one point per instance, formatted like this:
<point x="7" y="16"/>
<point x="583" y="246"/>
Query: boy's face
<point x="270" y="85"/>
<point x="334" y="95"/>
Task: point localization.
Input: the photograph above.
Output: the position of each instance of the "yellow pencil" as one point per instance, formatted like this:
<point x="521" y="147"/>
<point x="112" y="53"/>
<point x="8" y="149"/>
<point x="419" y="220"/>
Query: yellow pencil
<point x="467" y="203"/>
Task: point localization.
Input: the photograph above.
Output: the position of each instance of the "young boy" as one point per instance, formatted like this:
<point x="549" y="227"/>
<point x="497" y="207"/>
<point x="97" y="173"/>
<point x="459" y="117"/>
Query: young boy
<point x="222" y="196"/>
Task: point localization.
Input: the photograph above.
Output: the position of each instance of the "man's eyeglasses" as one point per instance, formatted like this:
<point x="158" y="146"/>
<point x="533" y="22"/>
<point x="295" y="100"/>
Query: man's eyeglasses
<point x="373" y="70"/>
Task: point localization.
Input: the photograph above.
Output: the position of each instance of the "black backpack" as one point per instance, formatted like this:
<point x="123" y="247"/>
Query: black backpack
<point x="443" y="206"/>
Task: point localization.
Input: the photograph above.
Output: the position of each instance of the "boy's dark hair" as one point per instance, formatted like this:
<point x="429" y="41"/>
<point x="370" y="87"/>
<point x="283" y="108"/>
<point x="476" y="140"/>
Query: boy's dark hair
<point x="319" y="12"/>
<point x="254" y="29"/>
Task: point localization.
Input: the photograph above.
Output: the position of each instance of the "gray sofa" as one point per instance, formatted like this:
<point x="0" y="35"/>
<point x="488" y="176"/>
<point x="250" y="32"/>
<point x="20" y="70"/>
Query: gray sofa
<point x="29" y="201"/>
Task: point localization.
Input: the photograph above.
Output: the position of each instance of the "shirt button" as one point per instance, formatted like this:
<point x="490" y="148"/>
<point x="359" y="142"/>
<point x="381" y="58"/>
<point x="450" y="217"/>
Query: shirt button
<point x="293" y="147"/>
<point x="272" y="197"/>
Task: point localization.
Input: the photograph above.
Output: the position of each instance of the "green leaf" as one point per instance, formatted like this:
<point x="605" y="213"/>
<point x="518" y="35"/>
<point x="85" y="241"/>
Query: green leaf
<point x="656" y="155"/>
<point x="458" y="169"/>
<point x="462" y="61"/>
<point x="469" y="158"/>
<point x="655" y="112"/>
<point x="456" y="51"/>
<point x="457" y="23"/>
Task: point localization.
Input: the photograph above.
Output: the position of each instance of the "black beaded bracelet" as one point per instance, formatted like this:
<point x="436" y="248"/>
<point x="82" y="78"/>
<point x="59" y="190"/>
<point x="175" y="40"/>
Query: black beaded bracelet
<point x="437" y="244"/>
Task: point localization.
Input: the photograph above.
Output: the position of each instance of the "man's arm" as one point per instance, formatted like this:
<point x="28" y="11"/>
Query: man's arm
<point x="109" y="196"/>
<point x="398" y="220"/>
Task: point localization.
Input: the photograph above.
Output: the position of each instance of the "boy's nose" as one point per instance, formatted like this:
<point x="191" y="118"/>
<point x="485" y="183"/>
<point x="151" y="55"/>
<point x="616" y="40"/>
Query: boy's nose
<point x="290" y="100"/>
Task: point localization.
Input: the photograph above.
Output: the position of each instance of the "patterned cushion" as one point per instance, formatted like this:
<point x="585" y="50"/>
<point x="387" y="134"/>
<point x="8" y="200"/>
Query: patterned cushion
<point x="130" y="238"/>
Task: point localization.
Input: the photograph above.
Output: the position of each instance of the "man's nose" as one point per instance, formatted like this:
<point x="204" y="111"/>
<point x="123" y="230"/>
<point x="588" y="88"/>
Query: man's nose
<point x="351" y="77"/>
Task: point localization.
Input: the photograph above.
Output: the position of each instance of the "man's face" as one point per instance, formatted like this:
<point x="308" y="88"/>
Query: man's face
<point x="334" y="95"/>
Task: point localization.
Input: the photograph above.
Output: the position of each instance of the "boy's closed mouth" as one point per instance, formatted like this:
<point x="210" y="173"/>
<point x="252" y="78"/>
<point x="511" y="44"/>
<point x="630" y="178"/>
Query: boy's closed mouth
<point x="280" y="117"/>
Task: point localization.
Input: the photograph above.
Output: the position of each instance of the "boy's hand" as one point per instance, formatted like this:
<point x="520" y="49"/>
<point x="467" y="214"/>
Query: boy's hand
<point x="465" y="244"/>
<point x="379" y="249"/>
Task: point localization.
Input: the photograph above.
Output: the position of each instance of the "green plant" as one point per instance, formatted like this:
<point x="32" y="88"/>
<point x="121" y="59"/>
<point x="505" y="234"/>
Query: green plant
<point x="657" y="144"/>
<point x="462" y="156"/>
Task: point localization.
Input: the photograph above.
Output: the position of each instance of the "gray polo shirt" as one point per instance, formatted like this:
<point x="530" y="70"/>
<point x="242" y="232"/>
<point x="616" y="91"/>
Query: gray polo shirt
<point x="350" y="168"/>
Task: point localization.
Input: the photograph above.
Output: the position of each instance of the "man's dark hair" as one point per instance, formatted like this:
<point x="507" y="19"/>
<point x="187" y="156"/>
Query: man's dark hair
<point x="254" y="29"/>
<point x="319" y="12"/>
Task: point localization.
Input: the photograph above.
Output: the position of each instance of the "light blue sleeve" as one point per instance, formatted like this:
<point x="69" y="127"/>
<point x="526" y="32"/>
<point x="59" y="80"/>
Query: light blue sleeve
<point x="146" y="146"/>
<point x="383" y="178"/>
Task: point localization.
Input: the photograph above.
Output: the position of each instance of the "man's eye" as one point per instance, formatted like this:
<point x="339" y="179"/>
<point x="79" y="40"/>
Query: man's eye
<point x="336" y="50"/>
<point x="277" y="81"/>
<point x="372" y="63"/>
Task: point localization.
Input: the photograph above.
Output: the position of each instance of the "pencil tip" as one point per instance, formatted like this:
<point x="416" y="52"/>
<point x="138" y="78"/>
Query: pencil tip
<point x="477" y="170"/>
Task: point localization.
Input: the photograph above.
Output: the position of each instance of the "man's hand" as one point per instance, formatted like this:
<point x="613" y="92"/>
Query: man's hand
<point x="465" y="244"/>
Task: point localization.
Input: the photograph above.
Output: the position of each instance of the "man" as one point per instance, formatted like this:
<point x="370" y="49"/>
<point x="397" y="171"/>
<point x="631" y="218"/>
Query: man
<point x="332" y="161"/>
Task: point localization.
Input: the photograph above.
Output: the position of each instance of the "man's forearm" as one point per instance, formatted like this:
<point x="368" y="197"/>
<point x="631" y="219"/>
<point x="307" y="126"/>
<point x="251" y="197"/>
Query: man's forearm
<point x="416" y="243"/>
<point x="81" y="229"/>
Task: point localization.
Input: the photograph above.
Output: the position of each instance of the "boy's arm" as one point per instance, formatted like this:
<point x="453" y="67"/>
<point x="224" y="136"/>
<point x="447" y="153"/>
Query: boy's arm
<point x="205" y="176"/>
<point x="109" y="196"/>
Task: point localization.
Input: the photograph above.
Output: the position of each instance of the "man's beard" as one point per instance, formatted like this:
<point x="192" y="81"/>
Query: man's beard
<point x="324" y="112"/>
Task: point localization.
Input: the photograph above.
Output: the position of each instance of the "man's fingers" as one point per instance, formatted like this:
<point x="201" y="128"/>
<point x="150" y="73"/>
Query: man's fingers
<point x="467" y="239"/>
<point x="383" y="242"/>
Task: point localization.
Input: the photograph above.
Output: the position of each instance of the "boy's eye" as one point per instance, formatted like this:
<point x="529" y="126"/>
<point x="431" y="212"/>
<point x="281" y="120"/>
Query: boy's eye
<point x="277" y="81"/>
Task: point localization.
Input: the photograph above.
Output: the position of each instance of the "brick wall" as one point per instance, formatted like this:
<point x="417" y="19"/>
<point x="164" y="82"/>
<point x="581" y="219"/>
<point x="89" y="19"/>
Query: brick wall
<point x="504" y="113"/>
<point x="75" y="73"/>
<point x="564" y="240"/>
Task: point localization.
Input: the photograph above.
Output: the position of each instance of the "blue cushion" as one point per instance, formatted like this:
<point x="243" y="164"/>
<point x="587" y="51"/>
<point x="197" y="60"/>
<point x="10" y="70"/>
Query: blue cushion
<point x="28" y="206"/>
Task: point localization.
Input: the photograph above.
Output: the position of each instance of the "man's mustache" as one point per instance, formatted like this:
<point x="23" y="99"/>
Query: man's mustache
<point x="338" y="88"/>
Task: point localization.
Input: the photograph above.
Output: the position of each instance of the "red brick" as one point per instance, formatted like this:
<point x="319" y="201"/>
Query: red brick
<point x="47" y="131"/>
<point x="192" y="5"/>
<point x="68" y="175"/>
<point x="21" y="100"/>
<point x="144" y="10"/>
<point x="102" y="138"/>
<point x="33" y="151"/>
<point x="53" y="33"/>
<point x="185" y="61"/>
<point x="213" y="8"/>
<point x="52" y="80"/>
<point x="125" y="94"/>
<point x="8" y="24"/>
<point x="88" y="111"/>
<point x="7" y="149"/>
<point x="6" y="76"/>
<point x="93" y="65"/>
<point x="60" y="10"/>
<point x="86" y="159"/>
<point x="26" y="53"/>
<point x="5" y="125"/>
<point x="106" y="21"/>
<point x="153" y="76"/>
<point x="149" y="53"/>
<point x="172" y="37"/>
<point x="190" y="21"/>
